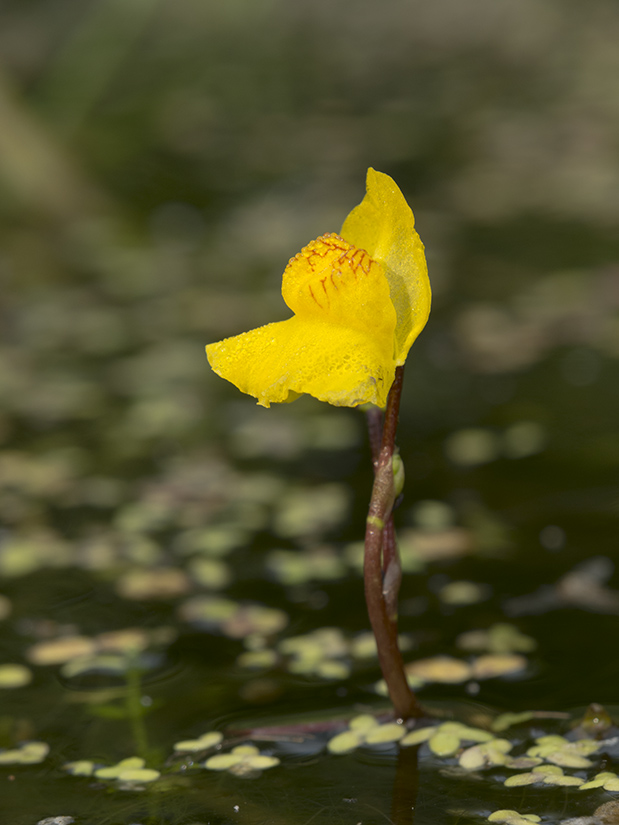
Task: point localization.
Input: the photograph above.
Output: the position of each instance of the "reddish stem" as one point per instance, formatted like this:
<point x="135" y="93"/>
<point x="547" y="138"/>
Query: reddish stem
<point x="382" y="572"/>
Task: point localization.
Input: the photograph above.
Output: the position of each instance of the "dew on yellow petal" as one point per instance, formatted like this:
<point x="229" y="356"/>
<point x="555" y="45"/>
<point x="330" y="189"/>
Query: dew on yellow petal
<point x="278" y="362"/>
<point x="383" y="225"/>
<point x="359" y="301"/>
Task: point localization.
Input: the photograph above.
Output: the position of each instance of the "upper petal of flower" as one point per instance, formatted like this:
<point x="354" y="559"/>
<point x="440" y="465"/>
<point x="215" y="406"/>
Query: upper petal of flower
<point x="384" y="226"/>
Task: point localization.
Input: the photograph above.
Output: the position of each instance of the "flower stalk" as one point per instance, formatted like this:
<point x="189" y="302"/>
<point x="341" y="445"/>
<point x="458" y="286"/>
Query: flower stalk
<point x="382" y="569"/>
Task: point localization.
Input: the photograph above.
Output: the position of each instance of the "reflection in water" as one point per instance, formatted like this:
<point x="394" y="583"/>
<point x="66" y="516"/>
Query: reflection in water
<point x="405" y="787"/>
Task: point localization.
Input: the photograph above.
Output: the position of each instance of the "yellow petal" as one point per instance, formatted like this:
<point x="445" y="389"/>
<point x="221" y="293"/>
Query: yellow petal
<point x="384" y="226"/>
<point x="339" y="346"/>
<point x="277" y="362"/>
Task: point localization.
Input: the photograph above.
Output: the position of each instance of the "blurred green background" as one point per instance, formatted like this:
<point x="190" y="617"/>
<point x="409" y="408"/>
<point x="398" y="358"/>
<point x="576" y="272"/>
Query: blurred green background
<point x="161" y="161"/>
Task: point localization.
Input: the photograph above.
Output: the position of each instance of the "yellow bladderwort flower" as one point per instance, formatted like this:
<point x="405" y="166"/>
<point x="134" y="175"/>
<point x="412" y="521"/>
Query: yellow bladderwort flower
<point x="359" y="299"/>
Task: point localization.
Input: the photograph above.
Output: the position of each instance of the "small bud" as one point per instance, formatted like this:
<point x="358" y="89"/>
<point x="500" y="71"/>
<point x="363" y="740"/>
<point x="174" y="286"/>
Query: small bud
<point x="397" y="465"/>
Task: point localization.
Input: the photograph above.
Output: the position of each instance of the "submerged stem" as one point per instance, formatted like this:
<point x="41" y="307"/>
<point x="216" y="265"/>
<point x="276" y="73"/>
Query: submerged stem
<point x="382" y="571"/>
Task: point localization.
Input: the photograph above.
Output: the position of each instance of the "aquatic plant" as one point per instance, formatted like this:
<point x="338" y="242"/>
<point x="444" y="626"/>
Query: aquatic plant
<point x="359" y="299"/>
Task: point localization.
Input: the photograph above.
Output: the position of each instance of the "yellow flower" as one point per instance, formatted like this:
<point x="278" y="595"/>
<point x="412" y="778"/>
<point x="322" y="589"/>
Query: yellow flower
<point x="359" y="300"/>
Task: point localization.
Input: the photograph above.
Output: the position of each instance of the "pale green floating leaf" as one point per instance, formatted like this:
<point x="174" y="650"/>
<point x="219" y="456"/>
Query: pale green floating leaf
<point x="509" y="817"/>
<point x="332" y="670"/>
<point x="565" y="759"/>
<point x="417" y="737"/>
<point x="486" y="754"/>
<point x="245" y="750"/>
<point x="523" y="439"/>
<point x="218" y="540"/>
<point x="607" y="780"/>
<point x="364" y="722"/>
<point x="292" y="567"/>
<point x="59" y="651"/>
<point x="25" y="554"/>
<point x="82" y="767"/>
<point x="433" y="515"/>
<point x="520" y="779"/>
<point x="463" y="592"/>
<point x="552" y="779"/>
<point x="474" y="734"/>
<point x="107" y="663"/>
<point x="14" y="676"/>
<point x="425" y="546"/>
<point x="222" y="761"/>
<point x="363" y="646"/>
<point x="548" y="770"/>
<point x="345" y="742"/>
<point x="138" y="775"/>
<point x="493" y="665"/>
<point x="500" y="638"/>
<point x="506" y="720"/>
<point x="444" y="744"/>
<point x="242" y="760"/>
<point x="584" y="747"/>
<point x="158" y="583"/>
<point x="262" y="762"/>
<point x="354" y="555"/>
<point x="502" y="745"/>
<point x="444" y="669"/>
<point x="210" y="610"/>
<point x="382" y="734"/>
<point x="34" y="752"/>
<point x="472" y="759"/>
<point x="593" y="783"/>
<point x="10" y="757"/>
<point x="552" y="740"/>
<point x="30" y="753"/>
<point x="210" y="573"/>
<point x="114" y="771"/>
<point x="472" y="447"/>
<point x="311" y="511"/>
<point x="133" y="640"/>
<point x="207" y="740"/>
<point x="255" y="618"/>
<point x="231" y="618"/>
